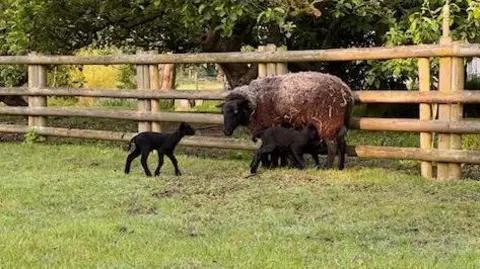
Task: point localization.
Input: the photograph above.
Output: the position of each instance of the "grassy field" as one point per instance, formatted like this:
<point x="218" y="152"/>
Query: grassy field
<point x="66" y="203"/>
<point x="71" y="206"/>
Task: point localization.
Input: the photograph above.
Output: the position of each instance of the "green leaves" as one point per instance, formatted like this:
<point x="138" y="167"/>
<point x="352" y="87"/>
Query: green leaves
<point x="62" y="26"/>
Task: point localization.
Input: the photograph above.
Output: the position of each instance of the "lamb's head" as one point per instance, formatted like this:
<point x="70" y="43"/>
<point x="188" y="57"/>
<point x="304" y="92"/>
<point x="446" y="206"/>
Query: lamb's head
<point x="312" y="133"/>
<point x="186" y="129"/>
<point x="236" y="111"/>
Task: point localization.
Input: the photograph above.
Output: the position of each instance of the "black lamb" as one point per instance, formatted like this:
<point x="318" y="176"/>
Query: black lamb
<point x="314" y="148"/>
<point x="163" y="143"/>
<point x="279" y="140"/>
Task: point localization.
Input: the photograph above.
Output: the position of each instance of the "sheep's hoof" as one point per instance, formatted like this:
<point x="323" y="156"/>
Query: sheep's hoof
<point x="251" y="175"/>
<point x="326" y="167"/>
<point x="178" y="173"/>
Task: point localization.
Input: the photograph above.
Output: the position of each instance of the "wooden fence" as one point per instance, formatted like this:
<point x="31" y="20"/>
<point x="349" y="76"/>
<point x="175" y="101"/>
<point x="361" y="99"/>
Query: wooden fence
<point x="451" y="95"/>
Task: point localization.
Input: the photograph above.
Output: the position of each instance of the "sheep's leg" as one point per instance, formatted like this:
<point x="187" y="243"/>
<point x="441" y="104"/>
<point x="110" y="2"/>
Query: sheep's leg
<point x="134" y="154"/>
<point x="342" y="148"/>
<point x="175" y="163"/>
<point x="160" y="163"/>
<point x="264" y="150"/>
<point x="332" y="147"/>
<point x="143" y="160"/>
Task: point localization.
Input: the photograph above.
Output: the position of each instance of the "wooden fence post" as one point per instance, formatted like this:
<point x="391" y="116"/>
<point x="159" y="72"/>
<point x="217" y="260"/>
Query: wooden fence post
<point x="155" y="85"/>
<point x="271" y="67"/>
<point x="32" y="81"/>
<point x="282" y="68"/>
<point x="425" y="113"/>
<point x="262" y="68"/>
<point x="42" y="100"/>
<point x="456" y="111"/>
<point x="143" y="82"/>
<point x="37" y="78"/>
<point x="445" y="83"/>
<point x="147" y="104"/>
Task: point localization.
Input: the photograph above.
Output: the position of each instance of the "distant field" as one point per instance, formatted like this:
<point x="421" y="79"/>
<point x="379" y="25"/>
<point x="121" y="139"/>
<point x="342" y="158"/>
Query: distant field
<point x="202" y="85"/>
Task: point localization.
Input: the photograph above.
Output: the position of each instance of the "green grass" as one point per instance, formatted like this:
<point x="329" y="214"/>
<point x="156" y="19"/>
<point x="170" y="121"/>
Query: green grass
<point x="71" y="206"/>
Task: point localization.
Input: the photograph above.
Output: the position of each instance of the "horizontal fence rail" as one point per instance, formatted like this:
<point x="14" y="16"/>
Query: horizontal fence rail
<point x="115" y="93"/>
<point x="116" y="114"/>
<point x="370" y="124"/>
<point x="372" y="96"/>
<point x="348" y="54"/>
<point x="414" y="125"/>
<point x="394" y="153"/>
<point x="416" y="97"/>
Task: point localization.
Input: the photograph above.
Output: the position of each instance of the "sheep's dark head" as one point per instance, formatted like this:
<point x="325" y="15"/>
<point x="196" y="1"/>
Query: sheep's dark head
<point x="235" y="112"/>
<point x="186" y="129"/>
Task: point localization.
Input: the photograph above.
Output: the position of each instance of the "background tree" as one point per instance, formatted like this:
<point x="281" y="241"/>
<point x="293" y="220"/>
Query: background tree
<point x="63" y="26"/>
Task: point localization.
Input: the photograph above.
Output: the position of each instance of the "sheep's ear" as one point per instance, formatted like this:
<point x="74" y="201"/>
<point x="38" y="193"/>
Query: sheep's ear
<point x="244" y="103"/>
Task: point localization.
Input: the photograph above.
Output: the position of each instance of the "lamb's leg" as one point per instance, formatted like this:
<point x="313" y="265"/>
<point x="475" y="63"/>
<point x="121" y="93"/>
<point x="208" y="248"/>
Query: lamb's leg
<point x="175" y="163"/>
<point x="265" y="161"/>
<point x="292" y="161"/>
<point x="143" y="160"/>
<point x="274" y="161"/>
<point x="297" y="153"/>
<point x="315" y="159"/>
<point x="283" y="161"/>
<point x="134" y="154"/>
<point x="332" y="152"/>
<point x="264" y="150"/>
<point x="160" y="163"/>
<point x="280" y="157"/>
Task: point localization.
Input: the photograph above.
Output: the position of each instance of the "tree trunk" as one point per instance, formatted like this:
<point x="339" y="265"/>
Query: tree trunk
<point x="16" y="100"/>
<point x="167" y="82"/>
<point x="236" y="74"/>
<point x="13" y="100"/>
<point x="168" y="79"/>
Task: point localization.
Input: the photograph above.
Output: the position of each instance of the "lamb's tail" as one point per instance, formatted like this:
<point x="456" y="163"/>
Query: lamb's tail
<point x="130" y="144"/>
<point x="257" y="133"/>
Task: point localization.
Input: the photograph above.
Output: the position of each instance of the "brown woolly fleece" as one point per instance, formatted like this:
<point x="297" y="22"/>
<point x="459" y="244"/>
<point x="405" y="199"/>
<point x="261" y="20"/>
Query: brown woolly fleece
<point x="300" y="99"/>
